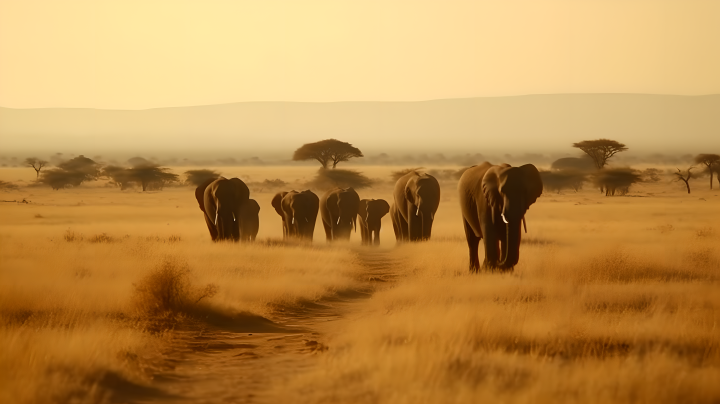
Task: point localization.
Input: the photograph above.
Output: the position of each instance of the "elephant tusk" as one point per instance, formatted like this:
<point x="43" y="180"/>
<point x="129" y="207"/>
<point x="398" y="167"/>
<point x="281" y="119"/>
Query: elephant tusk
<point x="338" y="222"/>
<point x="293" y="221"/>
<point x="432" y="216"/>
<point x="234" y="218"/>
<point x="216" y="217"/>
<point x="524" y="225"/>
<point x="503" y="218"/>
<point x="417" y="213"/>
<point x="307" y="221"/>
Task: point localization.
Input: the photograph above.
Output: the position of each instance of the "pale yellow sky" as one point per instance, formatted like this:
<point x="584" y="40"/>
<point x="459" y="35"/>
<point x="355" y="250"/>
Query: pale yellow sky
<point x="135" y="54"/>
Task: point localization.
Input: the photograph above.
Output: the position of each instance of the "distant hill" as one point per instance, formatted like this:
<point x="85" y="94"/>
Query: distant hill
<point x="533" y="123"/>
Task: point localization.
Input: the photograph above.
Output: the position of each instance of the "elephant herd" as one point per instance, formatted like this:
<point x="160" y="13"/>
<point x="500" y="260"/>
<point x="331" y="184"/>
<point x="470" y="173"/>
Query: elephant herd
<point x="493" y="203"/>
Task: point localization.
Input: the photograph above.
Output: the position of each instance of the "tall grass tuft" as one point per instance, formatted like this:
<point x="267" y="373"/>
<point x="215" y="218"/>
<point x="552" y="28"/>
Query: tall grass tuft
<point x="166" y="289"/>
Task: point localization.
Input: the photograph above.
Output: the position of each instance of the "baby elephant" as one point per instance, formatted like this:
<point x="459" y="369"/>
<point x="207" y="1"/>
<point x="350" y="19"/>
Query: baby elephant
<point x="371" y="212"/>
<point x="249" y="220"/>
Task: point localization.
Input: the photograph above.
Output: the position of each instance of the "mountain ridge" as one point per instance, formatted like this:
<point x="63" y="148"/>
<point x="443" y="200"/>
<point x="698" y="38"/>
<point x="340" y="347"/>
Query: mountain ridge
<point x="527" y="123"/>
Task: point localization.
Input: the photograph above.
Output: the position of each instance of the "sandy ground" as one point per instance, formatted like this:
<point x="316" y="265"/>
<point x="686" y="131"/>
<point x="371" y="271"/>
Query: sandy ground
<point x="614" y="299"/>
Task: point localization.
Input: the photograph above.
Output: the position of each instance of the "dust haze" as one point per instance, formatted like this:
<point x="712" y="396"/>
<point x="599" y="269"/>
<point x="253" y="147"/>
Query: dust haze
<point x="138" y="139"/>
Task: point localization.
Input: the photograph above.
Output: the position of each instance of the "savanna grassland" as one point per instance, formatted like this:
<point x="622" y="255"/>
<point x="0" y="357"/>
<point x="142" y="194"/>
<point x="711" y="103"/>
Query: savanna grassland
<point x="110" y="296"/>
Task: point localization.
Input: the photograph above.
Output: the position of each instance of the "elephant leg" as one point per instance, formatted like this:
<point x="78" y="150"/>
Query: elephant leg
<point x="328" y="231"/>
<point x="211" y="227"/>
<point x="473" y="242"/>
<point x="396" y="228"/>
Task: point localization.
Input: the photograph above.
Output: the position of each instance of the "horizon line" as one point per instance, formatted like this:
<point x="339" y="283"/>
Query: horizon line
<point x="358" y="102"/>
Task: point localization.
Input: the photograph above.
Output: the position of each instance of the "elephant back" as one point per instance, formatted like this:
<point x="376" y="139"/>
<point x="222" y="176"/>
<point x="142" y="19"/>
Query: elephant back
<point x="243" y="192"/>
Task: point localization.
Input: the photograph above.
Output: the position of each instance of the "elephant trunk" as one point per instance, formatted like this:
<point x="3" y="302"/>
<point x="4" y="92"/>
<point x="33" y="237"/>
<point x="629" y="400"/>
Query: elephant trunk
<point x="427" y="222"/>
<point x="227" y="226"/>
<point x="511" y="249"/>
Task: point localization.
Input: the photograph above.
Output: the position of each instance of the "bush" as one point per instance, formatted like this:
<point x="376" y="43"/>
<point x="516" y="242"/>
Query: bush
<point x="396" y="175"/>
<point x="326" y="179"/>
<point x="7" y="186"/>
<point x="167" y="290"/>
<point x="164" y="289"/>
<point x="616" y="179"/>
<point x="197" y="177"/>
<point x="556" y="181"/>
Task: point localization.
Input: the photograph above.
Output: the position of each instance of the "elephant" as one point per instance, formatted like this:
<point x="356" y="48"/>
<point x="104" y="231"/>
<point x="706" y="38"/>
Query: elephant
<point x="417" y="197"/>
<point x="493" y="202"/>
<point x="249" y="220"/>
<point x="220" y="200"/>
<point x="277" y="205"/>
<point x="300" y="210"/>
<point x="339" y="209"/>
<point x="370" y="214"/>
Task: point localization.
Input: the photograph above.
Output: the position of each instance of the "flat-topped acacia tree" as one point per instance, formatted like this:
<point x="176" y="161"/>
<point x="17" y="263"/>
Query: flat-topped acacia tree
<point x="326" y="151"/>
<point x="711" y="163"/>
<point x="600" y="150"/>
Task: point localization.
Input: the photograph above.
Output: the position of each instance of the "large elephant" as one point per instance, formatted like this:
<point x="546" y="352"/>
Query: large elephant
<point x="339" y="209"/>
<point x="249" y="220"/>
<point x="277" y="205"/>
<point x="220" y="202"/>
<point x="300" y="211"/>
<point x="417" y="197"/>
<point x="370" y="214"/>
<point x="493" y="201"/>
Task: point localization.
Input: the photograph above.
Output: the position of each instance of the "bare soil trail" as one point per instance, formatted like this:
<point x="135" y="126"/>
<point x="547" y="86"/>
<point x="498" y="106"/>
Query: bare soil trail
<point x="240" y="359"/>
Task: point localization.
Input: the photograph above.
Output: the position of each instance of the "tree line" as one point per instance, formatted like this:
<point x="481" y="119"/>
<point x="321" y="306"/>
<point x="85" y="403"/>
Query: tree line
<point x="565" y="173"/>
<point x="573" y="172"/>
<point x="139" y="172"/>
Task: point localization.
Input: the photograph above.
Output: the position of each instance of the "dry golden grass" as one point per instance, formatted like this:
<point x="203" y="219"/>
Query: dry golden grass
<point x="614" y="300"/>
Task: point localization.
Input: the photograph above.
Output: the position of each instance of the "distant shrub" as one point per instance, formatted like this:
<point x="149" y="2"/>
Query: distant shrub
<point x="267" y="185"/>
<point x="556" y="181"/>
<point x="651" y="175"/>
<point x="197" y="177"/>
<point x="330" y="178"/>
<point x="7" y="186"/>
<point x="101" y="238"/>
<point x="396" y="175"/>
<point x="582" y="164"/>
<point x="448" y="174"/>
<point x="70" y="236"/>
<point x="618" y="180"/>
<point x="59" y="178"/>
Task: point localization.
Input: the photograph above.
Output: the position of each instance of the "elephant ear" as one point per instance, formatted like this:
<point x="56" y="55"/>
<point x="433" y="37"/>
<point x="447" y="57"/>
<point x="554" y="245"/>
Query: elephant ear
<point x="277" y="201"/>
<point x="490" y="189"/>
<point x="533" y="183"/>
<point x="200" y="192"/>
<point x="384" y="207"/>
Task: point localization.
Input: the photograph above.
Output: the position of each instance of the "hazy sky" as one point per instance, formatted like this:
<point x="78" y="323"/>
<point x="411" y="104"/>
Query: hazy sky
<point x="135" y="54"/>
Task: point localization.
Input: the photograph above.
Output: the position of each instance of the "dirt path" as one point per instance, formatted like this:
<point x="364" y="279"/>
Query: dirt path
<point x="240" y="359"/>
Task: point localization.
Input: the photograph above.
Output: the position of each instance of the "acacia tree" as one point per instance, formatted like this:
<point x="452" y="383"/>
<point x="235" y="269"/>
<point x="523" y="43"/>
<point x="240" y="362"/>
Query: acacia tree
<point x="326" y="151"/>
<point x="151" y="175"/>
<point x="685" y="177"/>
<point x="711" y="163"/>
<point x="72" y="173"/>
<point x="37" y="164"/>
<point x="600" y="150"/>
